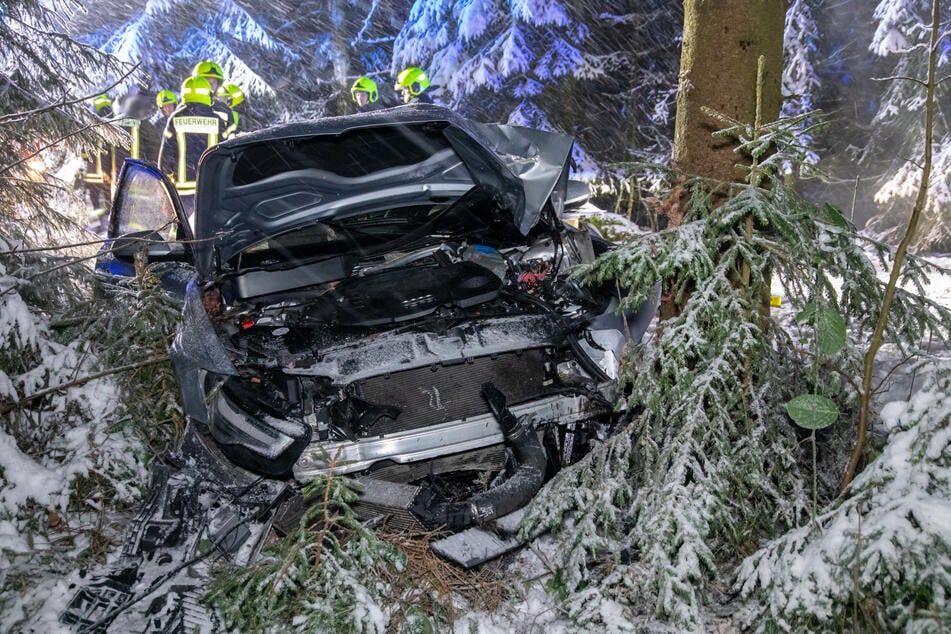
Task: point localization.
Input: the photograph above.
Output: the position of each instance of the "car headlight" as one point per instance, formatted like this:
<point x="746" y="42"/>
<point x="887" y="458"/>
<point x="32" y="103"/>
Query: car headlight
<point x="260" y="443"/>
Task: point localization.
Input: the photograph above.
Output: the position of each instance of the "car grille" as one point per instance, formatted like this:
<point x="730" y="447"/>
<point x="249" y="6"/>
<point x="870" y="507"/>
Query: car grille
<point x="431" y="395"/>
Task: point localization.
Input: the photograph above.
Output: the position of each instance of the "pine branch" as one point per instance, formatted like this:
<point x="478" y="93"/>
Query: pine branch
<point x="67" y="264"/>
<point x="7" y="168"/>
<point x="6" y="409"/>
<point x="58" y="247"/>
<point x="16" y="117"/>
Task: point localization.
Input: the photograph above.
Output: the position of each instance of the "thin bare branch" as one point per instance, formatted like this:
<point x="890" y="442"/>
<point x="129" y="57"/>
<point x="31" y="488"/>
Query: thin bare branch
<point x="889" y="374"/>
<point x="63" y="247"/>
<point x="914" y="80"/>
<point x="908" y="159"/>
<point x="877" y="337"/>
<point x="26" y="114"/>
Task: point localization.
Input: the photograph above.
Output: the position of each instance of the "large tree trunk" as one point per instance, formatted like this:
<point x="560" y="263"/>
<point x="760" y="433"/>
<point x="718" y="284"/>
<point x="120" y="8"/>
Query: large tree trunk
<point x="722" y="42"/>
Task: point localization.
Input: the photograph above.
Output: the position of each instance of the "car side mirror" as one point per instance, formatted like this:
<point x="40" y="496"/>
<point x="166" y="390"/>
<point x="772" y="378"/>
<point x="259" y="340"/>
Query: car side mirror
<point x="577" y="195"/>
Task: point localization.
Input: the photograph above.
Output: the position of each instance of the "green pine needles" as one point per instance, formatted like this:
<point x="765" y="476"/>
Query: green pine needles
<point x="330" y="575"/>
<point x="710" y="462"/>
<point x="880" y="561"/>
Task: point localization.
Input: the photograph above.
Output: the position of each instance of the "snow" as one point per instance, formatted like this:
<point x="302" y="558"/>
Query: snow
<point x="24" y="479"/>
<point x="891" y="534"/>
<point x="46" y="449"/>
<point x="17" y="323"/>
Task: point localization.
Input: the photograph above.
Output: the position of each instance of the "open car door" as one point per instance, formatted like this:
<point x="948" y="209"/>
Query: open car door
<point x="147" y="221"/>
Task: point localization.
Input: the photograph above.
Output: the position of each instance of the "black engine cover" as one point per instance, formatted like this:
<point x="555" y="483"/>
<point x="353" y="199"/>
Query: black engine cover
<point x="407" y="293"/>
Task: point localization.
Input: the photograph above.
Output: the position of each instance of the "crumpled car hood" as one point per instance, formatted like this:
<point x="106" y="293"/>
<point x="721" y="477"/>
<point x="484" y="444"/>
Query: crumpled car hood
<point x="285" y="177"/>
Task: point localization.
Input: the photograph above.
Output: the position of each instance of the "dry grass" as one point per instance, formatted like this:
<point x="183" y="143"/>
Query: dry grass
<point x="429" y="584"/>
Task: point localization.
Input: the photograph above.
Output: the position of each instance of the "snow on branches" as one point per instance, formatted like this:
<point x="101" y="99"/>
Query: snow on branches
<point x="903" y="33"/>
<point x="879" y="557"/>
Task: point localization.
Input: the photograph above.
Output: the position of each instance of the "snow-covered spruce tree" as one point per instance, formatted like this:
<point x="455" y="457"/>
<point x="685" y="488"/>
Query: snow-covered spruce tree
<point x="903" y="33"/>
<point x="332" y="574"/>
<point x="338" y="42"/>
<point x="166" y="38"/>
<point x="710" y="462"/>
<point x="553" y="65"/>
<point x="800" y="77"/>
<point x="69" y="455"/>
<point x="879" y="561"/>
<point x="296" y="60"/>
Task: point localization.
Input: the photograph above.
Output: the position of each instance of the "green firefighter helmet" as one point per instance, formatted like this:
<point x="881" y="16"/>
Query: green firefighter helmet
<point x="209" y="70"/>
<point x="367" y="85"/>
<point x="413" y="78"/>
<point x="196" y="90"/>
<point x="231" y="94"/>
<point x="165" y="98"/>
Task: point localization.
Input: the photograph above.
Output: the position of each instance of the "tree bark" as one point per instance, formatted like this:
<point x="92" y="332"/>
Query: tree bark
<point x="722" y="42"/>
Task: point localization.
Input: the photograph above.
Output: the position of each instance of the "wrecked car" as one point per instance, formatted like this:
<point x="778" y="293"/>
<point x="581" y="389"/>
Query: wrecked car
<point x="387" y="296"/>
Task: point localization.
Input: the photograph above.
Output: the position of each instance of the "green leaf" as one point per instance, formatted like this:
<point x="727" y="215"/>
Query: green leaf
<point x="830" y="330"/>
<point x="807" y="315"/>
<point x="811" y="411"/>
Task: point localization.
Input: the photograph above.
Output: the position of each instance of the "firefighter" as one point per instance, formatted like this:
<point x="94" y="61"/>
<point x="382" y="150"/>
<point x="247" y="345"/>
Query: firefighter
<point x="232" y="96"/>
<point x="144" y="140"/>
<point x="365" y="94"/>
<point x="412" y="83"/>
<point x="97" y="171"/>
<point x="166" y="101"/>
<point x="215" y="76"/>
<point x="191" y="129"/>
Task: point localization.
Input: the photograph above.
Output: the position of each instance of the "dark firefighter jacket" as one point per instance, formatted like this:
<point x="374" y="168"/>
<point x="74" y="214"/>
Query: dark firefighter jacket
<point x="191" y="129"/>
<point x="226" y="114"/>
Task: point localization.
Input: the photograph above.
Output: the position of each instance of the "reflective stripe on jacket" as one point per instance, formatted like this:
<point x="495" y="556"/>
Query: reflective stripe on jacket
<point x="191" y="130"/>
<point x="133" y="126"/>
<point x="93" y="168"/>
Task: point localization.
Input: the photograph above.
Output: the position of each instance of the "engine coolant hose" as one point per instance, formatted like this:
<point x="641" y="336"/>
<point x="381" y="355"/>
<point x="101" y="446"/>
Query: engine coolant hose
<point x="433" y="509"/>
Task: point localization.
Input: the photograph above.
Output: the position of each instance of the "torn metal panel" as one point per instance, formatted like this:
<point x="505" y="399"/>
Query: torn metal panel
<point x="199" y="504"/>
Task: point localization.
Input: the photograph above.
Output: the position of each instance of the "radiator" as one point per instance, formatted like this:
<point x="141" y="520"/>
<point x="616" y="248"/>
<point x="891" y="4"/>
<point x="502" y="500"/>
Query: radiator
<point x="430" y="395"/>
